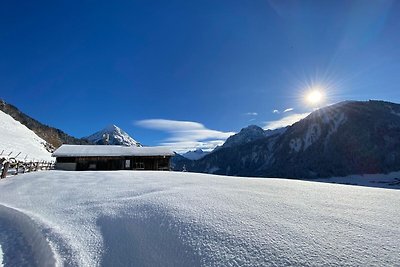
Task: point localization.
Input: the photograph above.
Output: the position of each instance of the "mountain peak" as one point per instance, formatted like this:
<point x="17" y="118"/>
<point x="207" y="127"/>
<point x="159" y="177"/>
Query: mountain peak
<point x="111" y="127"/>
<point x="252" y="128"/>
<point x="116" y="136"/>
<point x="246" y="135"/>
<point x="195" y="154"/>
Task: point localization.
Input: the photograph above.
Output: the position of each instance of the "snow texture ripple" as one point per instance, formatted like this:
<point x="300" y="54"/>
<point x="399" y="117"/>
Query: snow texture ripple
<point x="146" y="218"/>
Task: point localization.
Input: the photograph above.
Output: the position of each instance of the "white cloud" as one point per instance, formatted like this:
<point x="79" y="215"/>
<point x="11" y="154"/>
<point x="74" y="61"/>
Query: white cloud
<point x="186" y="135"/>
<point x="275" y="111"/>
<point x="288" y="109"/>
<point x="252" y="113"/>
<point x="182" y="147"/>
<point x="169" y="125"/>
<point x="285" y="121"/>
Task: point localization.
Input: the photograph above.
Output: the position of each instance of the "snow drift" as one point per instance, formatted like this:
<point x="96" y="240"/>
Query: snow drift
<point x="22" y="238"/>
<point x="145" y="218"/>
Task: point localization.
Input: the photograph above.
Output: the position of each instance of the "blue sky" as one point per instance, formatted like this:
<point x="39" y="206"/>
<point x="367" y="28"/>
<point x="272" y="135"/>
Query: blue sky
<point x="190" y="73"/>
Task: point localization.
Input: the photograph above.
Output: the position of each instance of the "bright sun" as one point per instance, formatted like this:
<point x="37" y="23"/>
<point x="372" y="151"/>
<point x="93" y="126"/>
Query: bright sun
<point x="314" y="97"/>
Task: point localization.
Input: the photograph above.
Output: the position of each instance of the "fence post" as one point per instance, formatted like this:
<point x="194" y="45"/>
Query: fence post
<point x="2" y="162"/>
<point x="16" y="168"/>
<point x="5" y="170"/>
<point x="24" y="167"/>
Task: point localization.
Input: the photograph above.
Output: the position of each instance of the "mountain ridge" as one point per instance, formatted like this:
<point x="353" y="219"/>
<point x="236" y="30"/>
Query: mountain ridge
<point x="54" y="136"/>
<point x="19" y="142"/>
<point x="351" y="137"/>
<point x="195" y="154"/>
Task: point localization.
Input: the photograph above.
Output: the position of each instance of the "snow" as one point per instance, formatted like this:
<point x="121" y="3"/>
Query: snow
<point x="337" y="120"/>
<point x="295" y="144"/>
<point x="312" y="135"/>
<point x="390" y="180"/>
<point x="334" y="120"/>
<point x="395" y="113"/>
<point x="16" y="137"/>
<point x="146" y="218"/>
<point x="195" y="155"/>
<point x="19" y="235"/>
<point x="117" y="137"/>
<point x="1" y="257"/>
<point x="102" y="150"/>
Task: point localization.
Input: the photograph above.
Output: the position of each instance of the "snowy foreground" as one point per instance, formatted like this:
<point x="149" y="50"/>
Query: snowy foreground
<point x="134" y="218"/>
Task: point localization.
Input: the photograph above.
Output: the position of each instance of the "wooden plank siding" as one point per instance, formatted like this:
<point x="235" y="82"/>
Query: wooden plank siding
<point x="118" y="163"/>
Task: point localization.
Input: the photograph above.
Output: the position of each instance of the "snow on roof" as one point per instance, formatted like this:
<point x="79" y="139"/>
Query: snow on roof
<point x="103" y="150"/>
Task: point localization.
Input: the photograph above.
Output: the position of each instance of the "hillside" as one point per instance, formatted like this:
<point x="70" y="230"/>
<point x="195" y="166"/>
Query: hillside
<point x="344" y="139"/>
<point x="146" y="218"/>
<point x="53" y="136"/>
<point x="16" y="140"/>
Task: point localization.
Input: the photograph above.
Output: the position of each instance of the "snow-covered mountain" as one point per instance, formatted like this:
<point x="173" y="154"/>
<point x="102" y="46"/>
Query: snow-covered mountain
<point x="250" y="134"/>
<point x="195" y="154"/>
<point x="53" y="136"/>
<point x="16" y="140"/>
<point x="115" y="136"/>
<point x="347" y="138"/>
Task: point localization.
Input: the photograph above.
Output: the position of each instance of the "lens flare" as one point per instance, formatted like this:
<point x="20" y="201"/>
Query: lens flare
<point x="314" y="97"/>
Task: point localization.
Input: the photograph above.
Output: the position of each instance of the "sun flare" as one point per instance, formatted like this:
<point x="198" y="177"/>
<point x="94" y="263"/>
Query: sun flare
<point x="314" y="97"/>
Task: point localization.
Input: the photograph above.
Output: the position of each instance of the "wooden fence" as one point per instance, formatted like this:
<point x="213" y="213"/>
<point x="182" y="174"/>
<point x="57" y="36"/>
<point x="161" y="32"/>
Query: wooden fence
<point x="12" y="166"/>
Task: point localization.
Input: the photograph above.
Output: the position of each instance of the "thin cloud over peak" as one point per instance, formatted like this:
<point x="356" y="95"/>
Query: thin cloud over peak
<point x="288" y="109"/>
<point x="251" y="113"/>
<point x="186" y="135"/>
<point x="285" y="121"/>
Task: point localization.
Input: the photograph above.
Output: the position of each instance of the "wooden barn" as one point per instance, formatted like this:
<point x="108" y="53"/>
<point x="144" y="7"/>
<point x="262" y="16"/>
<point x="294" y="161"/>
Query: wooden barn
<point x="109" y="157"/>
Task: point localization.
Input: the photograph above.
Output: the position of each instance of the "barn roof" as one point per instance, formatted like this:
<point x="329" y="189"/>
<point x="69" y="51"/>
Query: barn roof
<point x="103" y="150"/>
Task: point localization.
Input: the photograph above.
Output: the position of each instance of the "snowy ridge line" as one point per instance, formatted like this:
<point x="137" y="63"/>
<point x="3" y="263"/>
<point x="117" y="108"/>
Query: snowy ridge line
<point x="31" y="231"/>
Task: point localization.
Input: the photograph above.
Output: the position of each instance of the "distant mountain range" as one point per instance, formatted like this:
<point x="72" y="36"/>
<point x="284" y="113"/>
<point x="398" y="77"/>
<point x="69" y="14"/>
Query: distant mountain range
<point x="112" y="135"/>
<point x="250" y="134"/>
<point x="56" y="137"/>
<point x="347" y="138"/>
<point x="195" y="154"/>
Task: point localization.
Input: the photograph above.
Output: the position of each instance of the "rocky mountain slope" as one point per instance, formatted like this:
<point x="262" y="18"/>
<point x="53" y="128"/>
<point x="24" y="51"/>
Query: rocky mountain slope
<point x="112" y="135"/>
<point x="347" y="138"/>
<point x="250" y="134"/>
<point x="195" y="154"/>
<point x="53" y="136"/>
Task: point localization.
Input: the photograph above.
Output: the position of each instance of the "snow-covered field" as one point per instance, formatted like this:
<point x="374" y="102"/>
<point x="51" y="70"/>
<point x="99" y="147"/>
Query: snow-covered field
<point x="145" y="218"/>
<point x="16" y="138"/>
<point x="1" y="257"/>
<point x="390" y="180"/>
